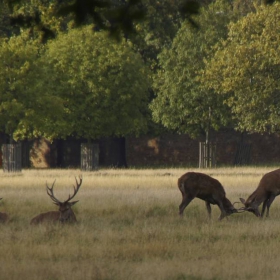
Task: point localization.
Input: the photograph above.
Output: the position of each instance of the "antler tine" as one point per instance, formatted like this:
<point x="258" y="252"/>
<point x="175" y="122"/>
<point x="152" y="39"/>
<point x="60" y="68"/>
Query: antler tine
<point x="76" y="188"/>
<point x="242" y="209"/>
<point x="51" y="194"/>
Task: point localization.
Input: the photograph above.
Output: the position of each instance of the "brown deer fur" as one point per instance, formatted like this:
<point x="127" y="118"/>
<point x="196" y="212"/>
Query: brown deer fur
<point x="193" y="184"/>
<point x="267" y="190"/>
<point x="65" y="213"/>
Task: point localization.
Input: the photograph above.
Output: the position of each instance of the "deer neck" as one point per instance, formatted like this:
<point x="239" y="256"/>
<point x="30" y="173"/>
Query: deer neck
<point x="227" y="204"/>
<point x="67" y="216"/>
<point x="257" y="197"/>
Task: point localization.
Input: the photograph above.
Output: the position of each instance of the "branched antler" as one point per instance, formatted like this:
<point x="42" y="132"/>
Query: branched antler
<point x="51" y="194"/>
<point x="76" y="188"/>
<point x="57" y="201"/>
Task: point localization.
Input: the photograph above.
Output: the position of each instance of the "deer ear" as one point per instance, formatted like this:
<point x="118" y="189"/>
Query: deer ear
<point x="242" y="200"/>
<point x="73" y="202"/>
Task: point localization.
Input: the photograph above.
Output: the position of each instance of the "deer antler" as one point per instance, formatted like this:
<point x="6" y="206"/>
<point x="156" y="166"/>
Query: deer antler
<point x="50" y="193"/>
<point x="242" y="209"/>
<point x="76" y="188"/>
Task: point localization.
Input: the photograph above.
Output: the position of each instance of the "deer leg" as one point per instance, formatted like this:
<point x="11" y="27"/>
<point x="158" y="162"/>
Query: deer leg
<point x="269" y="202"/>
<point x="264" y="206"/>
<point x="208" y="207"/>
<point x="223" y="212"/>
<point x="185" y="202"/>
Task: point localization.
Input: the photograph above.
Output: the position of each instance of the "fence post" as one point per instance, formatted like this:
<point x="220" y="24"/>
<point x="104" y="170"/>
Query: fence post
<point x="11" y="154"/>
<point x="89" y="156"/>
<point x="207" y="155"/>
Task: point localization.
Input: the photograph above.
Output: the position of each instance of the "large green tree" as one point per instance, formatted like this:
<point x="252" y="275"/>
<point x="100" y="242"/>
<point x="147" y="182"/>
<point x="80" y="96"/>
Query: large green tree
<point x="181" y="103"/>
<point x="25" y="109"/>
<point x="103" y="83"/>
<point x="245" y="70"/>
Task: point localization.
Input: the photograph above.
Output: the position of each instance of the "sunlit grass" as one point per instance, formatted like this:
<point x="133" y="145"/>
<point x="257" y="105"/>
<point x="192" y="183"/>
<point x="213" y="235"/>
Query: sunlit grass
<point x="128" y="228"/>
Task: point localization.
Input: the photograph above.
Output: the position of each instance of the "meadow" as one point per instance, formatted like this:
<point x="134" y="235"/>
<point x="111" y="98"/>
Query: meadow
<point x="128" y="228"/>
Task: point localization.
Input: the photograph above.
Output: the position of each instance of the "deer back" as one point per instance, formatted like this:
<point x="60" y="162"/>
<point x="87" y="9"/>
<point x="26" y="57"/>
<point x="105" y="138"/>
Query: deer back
<point x="269" y="184"/>
<point x="47" y="217"/>
<point x="195" y="183"/>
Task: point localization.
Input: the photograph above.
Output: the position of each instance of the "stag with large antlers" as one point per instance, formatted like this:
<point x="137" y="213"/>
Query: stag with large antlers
<point x="267" y="190"/>
<point x="64" y="213"/>
<point x="3" y="216"/>
<point x="193" y="184"/>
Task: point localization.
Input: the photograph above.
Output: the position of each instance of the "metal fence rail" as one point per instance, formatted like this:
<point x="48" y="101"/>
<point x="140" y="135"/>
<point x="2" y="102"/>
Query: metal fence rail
<point x="11" y="154"/>
<point x="89" y="156"/>
<point x="207" y="155"/>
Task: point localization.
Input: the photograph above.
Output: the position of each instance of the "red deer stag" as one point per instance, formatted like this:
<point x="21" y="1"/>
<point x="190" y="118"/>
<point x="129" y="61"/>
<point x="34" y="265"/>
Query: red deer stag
<point x="65" y="213"/>
<point x="210" y="190"/>
<point x="267" y="190"/>
<point x="3" y="216"/>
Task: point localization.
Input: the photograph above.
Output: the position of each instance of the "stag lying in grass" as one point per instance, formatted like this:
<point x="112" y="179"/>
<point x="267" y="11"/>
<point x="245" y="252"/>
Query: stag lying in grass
<point x="210" y="190"/>
<point x="64" y="214"/>
<point x="3" y="216"/>
<point x="267" y="190"/>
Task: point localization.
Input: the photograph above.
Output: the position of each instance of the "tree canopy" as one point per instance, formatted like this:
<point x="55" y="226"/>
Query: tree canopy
<point x="245" y="70"/>
<point x="103" y="83"/>
<point x="25" y="110"/>
<point x="181" y="103"/>
<point x="57" y="80"/>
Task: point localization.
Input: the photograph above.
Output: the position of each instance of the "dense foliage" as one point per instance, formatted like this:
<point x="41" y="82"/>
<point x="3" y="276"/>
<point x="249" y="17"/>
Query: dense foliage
<point x="26" y="108"/>
<point x="181" y="102"/>
<point x="62" y="75"/>
<point x="245" y="70"/>
<point x="103" y="83"/>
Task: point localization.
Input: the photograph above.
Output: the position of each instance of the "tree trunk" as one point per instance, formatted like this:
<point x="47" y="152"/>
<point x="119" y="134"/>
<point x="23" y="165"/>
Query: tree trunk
<point x="122" y="154"/>
<point x="59" y="155"/>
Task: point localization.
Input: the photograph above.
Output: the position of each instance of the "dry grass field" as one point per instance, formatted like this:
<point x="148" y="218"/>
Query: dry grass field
<point x="128" y="228"/>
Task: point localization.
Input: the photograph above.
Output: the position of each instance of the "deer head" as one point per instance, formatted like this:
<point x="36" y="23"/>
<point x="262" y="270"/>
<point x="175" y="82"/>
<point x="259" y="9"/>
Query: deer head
<point x="251" y="205"/>
<point x="66" y="213"/>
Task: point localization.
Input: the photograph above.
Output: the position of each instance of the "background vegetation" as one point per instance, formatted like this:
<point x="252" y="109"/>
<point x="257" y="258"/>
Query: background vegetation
<point x="61" y="72"/>
<point x="128" y="228"/>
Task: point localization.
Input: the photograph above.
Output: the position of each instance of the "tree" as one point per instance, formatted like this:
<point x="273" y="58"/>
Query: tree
<point x="104" y="84"/>
<point x="5" y="28"/>
<point x="119" y="17"/>
<point x="25" y="110"/>
<point x="245" y="70"/>
<point x="181" y="103"/>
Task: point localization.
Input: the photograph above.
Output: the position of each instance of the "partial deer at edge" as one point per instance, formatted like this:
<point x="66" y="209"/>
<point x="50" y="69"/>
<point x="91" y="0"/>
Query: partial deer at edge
<point x="3" y="216"/>
<point x="193" y="184"/>
<point x="267" y="190"/>
<point x="65" y="212"/>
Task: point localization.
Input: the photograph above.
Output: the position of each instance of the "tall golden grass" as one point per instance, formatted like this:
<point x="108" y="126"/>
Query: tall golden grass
<point x="128" y="228"/>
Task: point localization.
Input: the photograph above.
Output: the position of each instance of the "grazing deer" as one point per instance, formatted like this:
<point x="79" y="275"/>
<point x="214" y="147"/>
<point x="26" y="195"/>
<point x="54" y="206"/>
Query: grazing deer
<point x="65" y="213"/>
<point x="267" y="190"/>
<point x="3" y="216"/>
<point x="210" y="190"/>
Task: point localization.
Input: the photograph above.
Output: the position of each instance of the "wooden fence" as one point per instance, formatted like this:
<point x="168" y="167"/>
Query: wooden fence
<point x="207" y="155"/>
<point x="12" y="159"/>
<point x="89" y="156"/>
